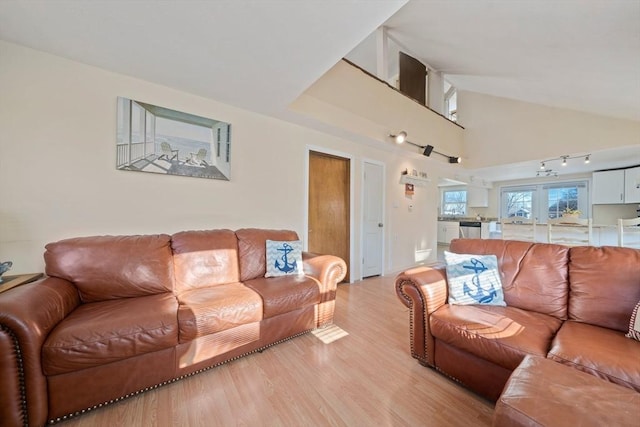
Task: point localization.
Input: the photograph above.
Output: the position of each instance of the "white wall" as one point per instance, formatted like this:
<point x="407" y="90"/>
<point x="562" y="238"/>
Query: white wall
<point x="58" y="177"/>
<point x="609" y="214"/>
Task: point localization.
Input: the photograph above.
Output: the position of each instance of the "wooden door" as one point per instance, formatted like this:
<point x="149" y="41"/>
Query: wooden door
<point x="413" y="78"/>
<point x="329" y="205"/>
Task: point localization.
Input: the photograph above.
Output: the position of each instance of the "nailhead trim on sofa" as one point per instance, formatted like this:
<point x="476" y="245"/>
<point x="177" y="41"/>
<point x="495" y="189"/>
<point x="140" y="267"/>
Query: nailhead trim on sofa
<point x="423" y="361"/>
<point x="21" y="382"/>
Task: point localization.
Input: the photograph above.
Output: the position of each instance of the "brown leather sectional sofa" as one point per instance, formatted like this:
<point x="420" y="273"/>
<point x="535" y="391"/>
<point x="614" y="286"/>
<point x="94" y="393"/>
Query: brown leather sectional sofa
<point x="118" y="315"/>
<point x="570" y="305"/>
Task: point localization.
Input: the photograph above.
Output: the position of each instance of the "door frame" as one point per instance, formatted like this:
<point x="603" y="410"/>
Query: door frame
<point x="384" y="211"/>
<point x="308" y="150"/>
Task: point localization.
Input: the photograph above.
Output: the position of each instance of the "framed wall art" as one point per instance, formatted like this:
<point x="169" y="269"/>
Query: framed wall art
<point x="160" y="140"/>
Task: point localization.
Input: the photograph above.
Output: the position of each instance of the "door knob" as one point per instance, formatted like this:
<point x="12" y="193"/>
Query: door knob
<point x="380" y="225"/>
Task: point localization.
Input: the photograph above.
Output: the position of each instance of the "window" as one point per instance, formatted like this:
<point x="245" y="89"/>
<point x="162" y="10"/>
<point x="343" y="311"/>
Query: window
<point x="560" y="199"/>
<point x="450" y="101"/>
<point x="544" y="201"/>
<point x="572" y="195"/>
<point x="517" y="202"/>
<point x="454" y="202"/>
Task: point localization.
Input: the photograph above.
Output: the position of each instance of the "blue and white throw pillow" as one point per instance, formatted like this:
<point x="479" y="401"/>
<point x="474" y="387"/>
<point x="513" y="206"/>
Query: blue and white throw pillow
<point x="284" y="258"/>
<point x="473" y="279"/>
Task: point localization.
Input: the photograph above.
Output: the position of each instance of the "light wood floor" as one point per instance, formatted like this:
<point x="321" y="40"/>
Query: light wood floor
<point x="367" y="378"/>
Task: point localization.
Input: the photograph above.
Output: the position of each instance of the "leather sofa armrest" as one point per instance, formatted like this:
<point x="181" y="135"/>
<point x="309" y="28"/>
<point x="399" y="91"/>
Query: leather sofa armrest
<point x="28" y="313"/>
<point x="327" y="271"/>
<point x="423" y="290"/>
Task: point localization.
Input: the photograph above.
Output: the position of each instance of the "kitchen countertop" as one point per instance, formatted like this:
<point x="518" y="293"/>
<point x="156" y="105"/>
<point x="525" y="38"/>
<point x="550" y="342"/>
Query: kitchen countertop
<point x="489" y="219"/>
<point x="465" y="218"/>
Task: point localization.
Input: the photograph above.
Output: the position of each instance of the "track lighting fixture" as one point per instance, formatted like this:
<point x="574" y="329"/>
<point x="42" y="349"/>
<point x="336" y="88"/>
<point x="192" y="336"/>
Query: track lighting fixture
<point x="427" y="149"/>
<point x="564" y="158"/>
<point x="547" y="173"/>
<point x="400" y="137"/>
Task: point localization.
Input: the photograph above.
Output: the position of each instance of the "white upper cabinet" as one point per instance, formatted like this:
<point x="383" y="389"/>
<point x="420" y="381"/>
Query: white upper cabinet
<point x="608" y="187"/>
<point x="477" y="197"/>
<point x="632" y="185"/>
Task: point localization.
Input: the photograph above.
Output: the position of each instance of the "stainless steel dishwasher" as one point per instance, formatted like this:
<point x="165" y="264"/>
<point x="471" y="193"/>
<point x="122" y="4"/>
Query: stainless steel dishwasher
<point x="470" y="229"/>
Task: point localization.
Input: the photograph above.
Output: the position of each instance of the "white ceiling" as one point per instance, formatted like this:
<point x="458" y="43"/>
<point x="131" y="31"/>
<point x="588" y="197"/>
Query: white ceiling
<point x="262" y="54"/>
<point x="256" y="54"/>
<point x="576" y="54"/>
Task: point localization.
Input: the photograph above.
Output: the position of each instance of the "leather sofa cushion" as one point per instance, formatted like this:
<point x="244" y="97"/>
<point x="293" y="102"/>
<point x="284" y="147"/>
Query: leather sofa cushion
<point x="113" y="267"/>
<point x="534" y="275"/>
<point x="103" y="332"/>
<point x="501" y="335"/>
<point x="285" y="293"/>
<point x="206" y="311"/>
<point x="544" y="393"/>
<point x="252" y="249"/>
<point x="605" y="285"/>
<point x="599" y="351"/>
<point x="204" y="258"/>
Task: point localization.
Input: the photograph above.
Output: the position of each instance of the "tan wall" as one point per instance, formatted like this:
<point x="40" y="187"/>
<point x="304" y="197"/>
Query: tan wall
<point x="348" y="98"/>
<point x="502" y="131"/>
<point x="58" y="175"/>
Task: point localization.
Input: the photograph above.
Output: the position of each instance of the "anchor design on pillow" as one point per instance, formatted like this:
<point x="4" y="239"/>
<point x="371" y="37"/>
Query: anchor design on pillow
<point x="286" y="267"/>
<point x="4" y="267"/>
<point x="481" y="295"/>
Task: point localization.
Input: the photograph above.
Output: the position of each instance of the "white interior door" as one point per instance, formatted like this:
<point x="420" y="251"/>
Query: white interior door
<point x="373" y="220"/>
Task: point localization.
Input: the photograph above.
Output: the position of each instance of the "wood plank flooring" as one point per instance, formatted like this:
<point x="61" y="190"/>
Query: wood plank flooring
<point x="366" y="378"/>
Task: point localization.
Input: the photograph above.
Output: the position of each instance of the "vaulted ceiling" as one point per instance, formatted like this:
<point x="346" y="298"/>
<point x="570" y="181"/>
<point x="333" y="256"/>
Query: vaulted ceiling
<point x="261" y="55"/>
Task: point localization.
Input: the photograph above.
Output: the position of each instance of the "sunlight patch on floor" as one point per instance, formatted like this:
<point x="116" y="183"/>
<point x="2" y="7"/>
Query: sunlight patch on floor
<point x="329" y="334"/>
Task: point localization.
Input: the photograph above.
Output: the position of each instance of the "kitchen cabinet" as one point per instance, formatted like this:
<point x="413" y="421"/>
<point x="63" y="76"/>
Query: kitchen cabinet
<point x="632" y="185"/>
<point x="447" y="231"/>
<point x="608" y="187"/>
<point x="477" y="197"/>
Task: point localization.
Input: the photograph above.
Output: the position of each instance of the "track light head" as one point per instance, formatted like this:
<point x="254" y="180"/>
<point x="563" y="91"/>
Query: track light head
<point x="586" y="159"/>
<point x="453" y="159"/>
<point x="400" y="137"/>
<point x="564" y="160"/>
<point x="427" y="150"/>
<point x="542" y="166"/>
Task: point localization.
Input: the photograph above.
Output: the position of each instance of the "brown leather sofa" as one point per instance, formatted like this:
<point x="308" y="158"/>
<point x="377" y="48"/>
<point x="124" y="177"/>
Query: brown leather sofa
<point x="119" y="315"/>
<point x="570" y="305"/>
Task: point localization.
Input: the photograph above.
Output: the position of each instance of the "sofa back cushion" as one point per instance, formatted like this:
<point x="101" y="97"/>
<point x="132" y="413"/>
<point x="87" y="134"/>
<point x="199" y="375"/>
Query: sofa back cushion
<point x="111" y="267"/>
<point x="605" y="285"/>
<point x="534" y="275"/>
<point x="252" y="249"/>
<point x="204" y="258"/>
